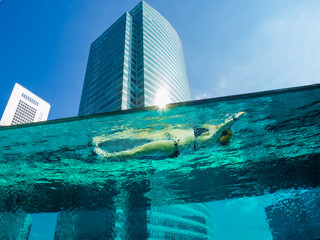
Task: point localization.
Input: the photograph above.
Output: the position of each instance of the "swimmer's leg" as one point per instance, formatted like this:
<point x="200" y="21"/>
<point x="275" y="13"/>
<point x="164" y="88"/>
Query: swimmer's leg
<point x="165" y="147"/>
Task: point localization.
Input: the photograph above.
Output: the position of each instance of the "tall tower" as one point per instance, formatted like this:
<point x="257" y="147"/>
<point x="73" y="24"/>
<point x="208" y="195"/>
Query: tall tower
<point x="137" y="62"/>
<point x="24" y="107"/>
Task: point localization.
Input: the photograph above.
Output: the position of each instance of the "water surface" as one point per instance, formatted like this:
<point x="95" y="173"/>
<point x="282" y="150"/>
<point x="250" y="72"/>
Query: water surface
<point x="270" y="166"/>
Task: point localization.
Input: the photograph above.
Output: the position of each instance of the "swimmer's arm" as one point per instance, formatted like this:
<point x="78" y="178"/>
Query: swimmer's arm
<point x="227" y="124"/>
<point x="237" y="115"/>
<point x="216" y="131"/>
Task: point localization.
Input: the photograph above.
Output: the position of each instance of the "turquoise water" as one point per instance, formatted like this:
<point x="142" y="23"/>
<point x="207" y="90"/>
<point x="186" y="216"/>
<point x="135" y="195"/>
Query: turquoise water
<point x="269" y="171"/>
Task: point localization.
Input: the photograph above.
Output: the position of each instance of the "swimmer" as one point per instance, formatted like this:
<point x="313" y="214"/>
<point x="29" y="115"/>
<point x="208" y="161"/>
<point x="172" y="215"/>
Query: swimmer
<point x="180" y="140"/>
<point x="225" y="137"/>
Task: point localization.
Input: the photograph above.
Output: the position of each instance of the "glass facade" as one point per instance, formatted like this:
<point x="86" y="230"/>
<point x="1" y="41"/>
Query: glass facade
<point x="102" y="89"/>
<point x="138" y="56"/>
<point x="164" y="63"/>
<point x="24" y="113"/>
<point x="187" y="221"/>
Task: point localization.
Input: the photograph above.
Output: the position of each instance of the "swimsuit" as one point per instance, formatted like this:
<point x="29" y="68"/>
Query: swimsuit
<point x="197" y="132"/>
<point x="176" y="152"/>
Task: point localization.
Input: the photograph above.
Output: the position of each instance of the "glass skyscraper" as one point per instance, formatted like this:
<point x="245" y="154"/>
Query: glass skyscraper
<point x="136" y="61"/>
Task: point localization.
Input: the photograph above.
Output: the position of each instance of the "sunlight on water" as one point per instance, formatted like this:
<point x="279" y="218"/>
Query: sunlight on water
<point x="242" y="167"/>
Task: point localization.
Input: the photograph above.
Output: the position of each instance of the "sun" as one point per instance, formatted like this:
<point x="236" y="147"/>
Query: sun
<point x="162" y="98"/>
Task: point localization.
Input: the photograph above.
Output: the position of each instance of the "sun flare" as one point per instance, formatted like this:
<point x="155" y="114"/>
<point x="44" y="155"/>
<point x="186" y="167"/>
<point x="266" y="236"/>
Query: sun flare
<point x="162" y="98"/>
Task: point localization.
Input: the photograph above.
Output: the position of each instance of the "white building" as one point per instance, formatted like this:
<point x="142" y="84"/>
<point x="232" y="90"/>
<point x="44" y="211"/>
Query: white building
<point x="24" y="107"/>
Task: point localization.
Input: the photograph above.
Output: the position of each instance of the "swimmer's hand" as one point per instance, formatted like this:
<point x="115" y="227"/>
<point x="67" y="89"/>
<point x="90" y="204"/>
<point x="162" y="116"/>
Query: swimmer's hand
<point x="236" y="116"/>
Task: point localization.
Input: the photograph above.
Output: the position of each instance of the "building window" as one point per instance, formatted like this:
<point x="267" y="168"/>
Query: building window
<point x="30" y="99"/>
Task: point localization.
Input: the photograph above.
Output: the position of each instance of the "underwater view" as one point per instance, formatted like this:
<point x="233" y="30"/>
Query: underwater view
<point x="239" y="167"/>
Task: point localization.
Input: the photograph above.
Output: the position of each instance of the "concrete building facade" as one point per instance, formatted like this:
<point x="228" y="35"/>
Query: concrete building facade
<point x="24" y="107"/>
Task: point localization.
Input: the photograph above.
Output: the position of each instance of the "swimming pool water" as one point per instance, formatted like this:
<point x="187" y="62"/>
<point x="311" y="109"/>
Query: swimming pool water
<point x="264" y="184"/>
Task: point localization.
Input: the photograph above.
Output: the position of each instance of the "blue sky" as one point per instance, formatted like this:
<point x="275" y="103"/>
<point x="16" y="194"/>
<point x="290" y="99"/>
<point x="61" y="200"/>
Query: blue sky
<point x="231" y="47"/>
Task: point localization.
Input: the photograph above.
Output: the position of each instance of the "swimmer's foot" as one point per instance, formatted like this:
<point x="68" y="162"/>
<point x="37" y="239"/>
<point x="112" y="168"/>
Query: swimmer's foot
<point x="100" y="152"/>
